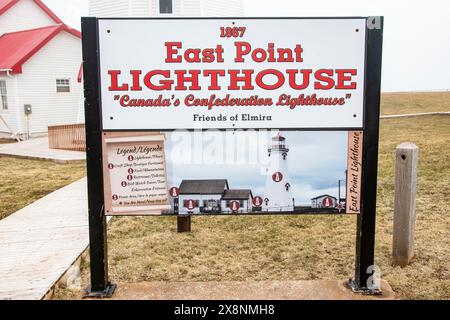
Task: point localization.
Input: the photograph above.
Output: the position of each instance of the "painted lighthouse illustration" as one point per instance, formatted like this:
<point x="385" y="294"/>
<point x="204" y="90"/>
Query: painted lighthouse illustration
<point x="278" y="196"/>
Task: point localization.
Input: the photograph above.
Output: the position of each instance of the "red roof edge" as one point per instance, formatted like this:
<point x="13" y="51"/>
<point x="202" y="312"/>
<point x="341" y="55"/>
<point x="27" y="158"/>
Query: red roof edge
<point x="49" y="12"/>
<point x="8" y="6"/>
<point x="41" y="5"/>
<point x="80" y="74"/>
<point x="17" y="68"/>
<point x="72" y="31"/>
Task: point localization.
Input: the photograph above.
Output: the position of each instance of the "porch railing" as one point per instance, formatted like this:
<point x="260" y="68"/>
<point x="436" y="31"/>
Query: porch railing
<point x="67" y="137"/>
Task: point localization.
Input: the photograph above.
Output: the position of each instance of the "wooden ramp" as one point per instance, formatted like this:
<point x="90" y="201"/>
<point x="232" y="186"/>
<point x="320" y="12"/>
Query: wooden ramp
<point x="41" y="241"/>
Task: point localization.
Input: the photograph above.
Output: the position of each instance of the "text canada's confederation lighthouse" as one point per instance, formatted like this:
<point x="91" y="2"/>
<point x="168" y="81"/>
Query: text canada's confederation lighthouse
<point x="278" y="195"/>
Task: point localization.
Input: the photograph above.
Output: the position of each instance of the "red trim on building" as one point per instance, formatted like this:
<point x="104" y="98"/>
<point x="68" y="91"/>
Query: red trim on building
<point x="80" y="74"/>
<point x="16" y="48"/>
<point x="5" y="5"/>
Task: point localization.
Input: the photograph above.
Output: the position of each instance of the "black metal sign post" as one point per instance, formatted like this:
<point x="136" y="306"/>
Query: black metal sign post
<point x="100" y="286"/>
<point x="365" y="268"/>
<point x="365" y="240"/>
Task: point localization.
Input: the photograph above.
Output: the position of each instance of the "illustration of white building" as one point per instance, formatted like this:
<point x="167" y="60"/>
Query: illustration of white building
<point x="243" y="197"/>
<point x="278" y="196"/>
<point x="205" y="195"/>
<point x="177" y="8"/>
<point x="324" y="201"/>
<point x="213" y="196"/>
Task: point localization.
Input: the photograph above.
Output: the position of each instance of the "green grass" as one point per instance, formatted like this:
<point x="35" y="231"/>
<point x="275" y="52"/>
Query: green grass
<point x="23" y="181"/>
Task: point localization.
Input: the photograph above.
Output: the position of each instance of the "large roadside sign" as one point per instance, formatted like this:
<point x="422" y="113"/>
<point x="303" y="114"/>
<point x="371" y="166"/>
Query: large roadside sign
<point x="146" y="78"/>
<point x="229" y="74"/>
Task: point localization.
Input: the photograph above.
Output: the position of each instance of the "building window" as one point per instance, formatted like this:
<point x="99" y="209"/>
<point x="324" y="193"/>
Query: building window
<point x="165" y="6"/>
<point x="3" y="95"/>
<point x="62" y="85"/>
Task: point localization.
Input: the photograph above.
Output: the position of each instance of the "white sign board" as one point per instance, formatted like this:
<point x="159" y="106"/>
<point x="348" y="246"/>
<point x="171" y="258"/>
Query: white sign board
<point x="232" y="73"/>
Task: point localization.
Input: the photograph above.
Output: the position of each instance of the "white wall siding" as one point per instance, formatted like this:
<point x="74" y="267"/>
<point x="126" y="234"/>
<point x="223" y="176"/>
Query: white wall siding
<point x="220" y="8"/>
<point x="186" y="8"/>
<point x="60" y="58"/>
<point x="24" y="15"/>
<point x="80" y="117"/>
<point x="139" y="8"/>
<point x="191" y="8"/>
<point x="11" y="115"/>
<point x="109" y="8"/>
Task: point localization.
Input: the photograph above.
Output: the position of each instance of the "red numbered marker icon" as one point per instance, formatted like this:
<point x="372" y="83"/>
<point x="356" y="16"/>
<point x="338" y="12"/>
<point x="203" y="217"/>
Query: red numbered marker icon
<point x="130" y="171"/>
<point x="110" y="166"/>
<point x="130" y="177"/>
<point x="124" y="184"/>
<point x="115" y="197"/>
<point x="234" y="206"/>
<point x="190" y="204"/>
<point x="130" y="158"/>
<point x="327" y="202"/>
<point x="174" y="192"/>
<point x="257" y="201"/>
<point x="277" y="176"/>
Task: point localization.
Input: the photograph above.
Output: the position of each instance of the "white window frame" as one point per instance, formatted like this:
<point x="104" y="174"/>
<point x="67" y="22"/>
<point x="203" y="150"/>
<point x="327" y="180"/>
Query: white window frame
<point x="3" y="96"/>
<point x="62" y="83"/>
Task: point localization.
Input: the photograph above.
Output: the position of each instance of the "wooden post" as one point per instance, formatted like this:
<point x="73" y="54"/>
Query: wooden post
<point x="184" y="223"/>
<point x="407" y="157"/>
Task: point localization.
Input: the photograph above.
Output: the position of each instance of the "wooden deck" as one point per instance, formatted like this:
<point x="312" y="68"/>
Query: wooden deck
<point x="41" y="241"/>
<point x="70" y="137"/>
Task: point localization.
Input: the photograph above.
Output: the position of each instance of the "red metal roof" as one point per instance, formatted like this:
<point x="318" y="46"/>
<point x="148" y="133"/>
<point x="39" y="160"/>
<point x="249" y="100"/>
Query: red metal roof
<point x="5" y="5"/>
<point x="17" y="47"/>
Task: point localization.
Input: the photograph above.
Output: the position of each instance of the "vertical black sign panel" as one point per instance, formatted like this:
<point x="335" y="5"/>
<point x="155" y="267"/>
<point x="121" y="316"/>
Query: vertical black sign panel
<point x="365" y="238"/>
<point x="100" y="286"/>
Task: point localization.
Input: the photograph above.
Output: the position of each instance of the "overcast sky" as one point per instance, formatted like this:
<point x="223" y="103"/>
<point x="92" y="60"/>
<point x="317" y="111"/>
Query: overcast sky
<point x="416" y="38"/>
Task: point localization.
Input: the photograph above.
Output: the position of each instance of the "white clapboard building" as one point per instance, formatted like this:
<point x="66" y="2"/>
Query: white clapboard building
<point x="153" y="8"/>
<point x="40" y="60"/>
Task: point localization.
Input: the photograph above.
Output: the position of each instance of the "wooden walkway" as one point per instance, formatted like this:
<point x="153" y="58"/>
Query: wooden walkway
<point x="41" y="241"/>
